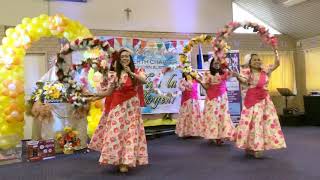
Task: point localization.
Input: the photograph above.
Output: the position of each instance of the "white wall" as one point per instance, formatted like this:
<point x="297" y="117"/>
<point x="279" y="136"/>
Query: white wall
<point x="13" y="11"/>
<point x="147" y="15"/>
<point x="35" y="66"/>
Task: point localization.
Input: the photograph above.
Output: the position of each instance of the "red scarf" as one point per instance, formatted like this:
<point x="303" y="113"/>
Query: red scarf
<point x="190" y="94"/>
<point x="258" y="93"/>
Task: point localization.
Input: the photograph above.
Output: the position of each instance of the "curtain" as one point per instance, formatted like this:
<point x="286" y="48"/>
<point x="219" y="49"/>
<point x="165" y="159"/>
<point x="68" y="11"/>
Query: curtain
<point x="312" y="58"/>
<point x="283" y="76"/>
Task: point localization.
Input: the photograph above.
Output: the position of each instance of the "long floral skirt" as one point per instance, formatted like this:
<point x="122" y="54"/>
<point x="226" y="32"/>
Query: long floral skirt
<point x="216" y="122"/>
<point x="188" y="123"/>
<point x="259" y="128"/>
<point x="124" y="140"/>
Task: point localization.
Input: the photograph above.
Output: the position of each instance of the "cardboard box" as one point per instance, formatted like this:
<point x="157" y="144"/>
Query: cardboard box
<point x="39" y="150"/>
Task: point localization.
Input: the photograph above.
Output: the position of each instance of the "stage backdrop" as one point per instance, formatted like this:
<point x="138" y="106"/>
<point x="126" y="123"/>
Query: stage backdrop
<point x="153" y="55"/>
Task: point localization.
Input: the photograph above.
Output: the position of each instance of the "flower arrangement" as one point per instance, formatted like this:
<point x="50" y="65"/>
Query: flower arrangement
<point x="49" y="91"/>
<point x="68" y="140"/>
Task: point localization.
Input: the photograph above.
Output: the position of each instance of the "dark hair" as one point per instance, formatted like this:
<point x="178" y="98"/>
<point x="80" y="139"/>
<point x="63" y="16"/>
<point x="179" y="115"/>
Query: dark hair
<point x="184" y="76"/>
<point x="213" y="70"/>
<point x="113" y="62"/>
<point x="119" y="67"/>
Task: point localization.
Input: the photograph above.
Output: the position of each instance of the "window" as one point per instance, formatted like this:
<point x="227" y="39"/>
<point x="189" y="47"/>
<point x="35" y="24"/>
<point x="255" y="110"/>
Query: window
<point x="241" y="15"/>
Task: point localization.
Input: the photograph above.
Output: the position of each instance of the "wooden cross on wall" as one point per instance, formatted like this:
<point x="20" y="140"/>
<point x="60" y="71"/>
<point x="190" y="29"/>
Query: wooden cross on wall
<point x="128" y="11"/>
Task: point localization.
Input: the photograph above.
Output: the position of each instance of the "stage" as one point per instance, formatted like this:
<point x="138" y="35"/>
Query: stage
<point x="175" y="158"/>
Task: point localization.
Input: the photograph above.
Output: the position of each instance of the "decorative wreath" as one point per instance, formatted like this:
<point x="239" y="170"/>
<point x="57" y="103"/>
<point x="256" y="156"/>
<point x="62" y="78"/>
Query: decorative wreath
<point x="184" y="60"/>
<point x="222" y="36"/>
<point x="220" y="46"/>
<point x="99" y="64"/>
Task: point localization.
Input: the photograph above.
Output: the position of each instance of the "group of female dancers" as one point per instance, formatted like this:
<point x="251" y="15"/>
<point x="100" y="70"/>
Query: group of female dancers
<point x="120" y="135"/>
<point x="258" y="129"/>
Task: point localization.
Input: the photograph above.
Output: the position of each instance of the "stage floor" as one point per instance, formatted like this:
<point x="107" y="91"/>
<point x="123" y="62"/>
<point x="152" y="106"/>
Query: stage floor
<point x="175" y="158"/>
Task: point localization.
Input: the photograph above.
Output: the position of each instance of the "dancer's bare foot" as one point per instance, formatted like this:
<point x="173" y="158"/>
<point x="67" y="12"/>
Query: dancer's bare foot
<point x="249" y="152"/>
<point x="219" y="142"/>
<point x="123" y="168"/>
<point x="258" y="154"/>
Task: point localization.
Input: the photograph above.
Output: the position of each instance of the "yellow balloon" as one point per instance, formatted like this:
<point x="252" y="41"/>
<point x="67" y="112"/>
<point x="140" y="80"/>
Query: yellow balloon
<point x="35" y="20"/>
<point x="40" y="31"/>
<point x="43" y="16"/>
<point x="45" y="24"/>
<point x="19" y="52"/>
<point x="5" y="40"/>
<point x="21" y="28"/>
<point x="26" y="20"/>
<point x="9" y="31"/>
<point x="29" y="27"/>
<point x="15" y="35"/>
<point x="66" y="35"/>
<point x="4" y="129"/>
<point x="8" y="141"/>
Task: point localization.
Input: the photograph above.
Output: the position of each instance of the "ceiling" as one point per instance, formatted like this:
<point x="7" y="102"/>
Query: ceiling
<point x="298" y="21"/>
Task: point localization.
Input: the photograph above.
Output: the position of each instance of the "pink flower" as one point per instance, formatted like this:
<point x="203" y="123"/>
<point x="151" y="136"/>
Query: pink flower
<point x="116" y="146"/>
<point x="104" y="64"/>
<point x="84" y="81"/>
<point x="265" y="117"/>
<point x="112" y="139"/>
<point x="274" y="41"/>
<point x="116" y="130"/>
<point x="128" y="143"/>
<point x="251" y="125"/>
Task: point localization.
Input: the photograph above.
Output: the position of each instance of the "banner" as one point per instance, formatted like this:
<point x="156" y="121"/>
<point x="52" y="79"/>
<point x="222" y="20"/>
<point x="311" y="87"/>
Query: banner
<point x="233" y="85"/>
<point x="154" y="55"/>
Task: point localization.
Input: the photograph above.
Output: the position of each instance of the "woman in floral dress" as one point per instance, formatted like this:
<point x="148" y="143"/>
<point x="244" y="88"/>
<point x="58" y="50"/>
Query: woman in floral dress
<point x="216" y="122"/>
<point x="259" y="128"/>
<point x="188" y="123"/>
<point x="124" y="140"/>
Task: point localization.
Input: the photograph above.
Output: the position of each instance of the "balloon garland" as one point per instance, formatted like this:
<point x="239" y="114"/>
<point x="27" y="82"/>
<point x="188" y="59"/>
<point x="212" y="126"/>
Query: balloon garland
<point x="12" y="52"/>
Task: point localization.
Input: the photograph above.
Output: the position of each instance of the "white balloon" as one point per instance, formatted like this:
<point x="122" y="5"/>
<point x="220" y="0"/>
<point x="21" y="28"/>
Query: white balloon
<point x="12" y="87"/>
<point x="14" y="114"/>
